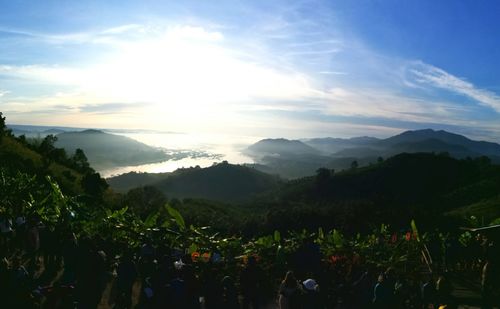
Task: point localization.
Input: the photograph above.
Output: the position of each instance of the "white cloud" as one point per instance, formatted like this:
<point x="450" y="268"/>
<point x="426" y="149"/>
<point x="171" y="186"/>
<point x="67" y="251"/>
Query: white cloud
<point x="436" y="77"/>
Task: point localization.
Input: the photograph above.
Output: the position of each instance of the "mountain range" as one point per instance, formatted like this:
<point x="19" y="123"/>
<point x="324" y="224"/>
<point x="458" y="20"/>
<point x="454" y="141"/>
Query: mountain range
<point x="297" y="158"/>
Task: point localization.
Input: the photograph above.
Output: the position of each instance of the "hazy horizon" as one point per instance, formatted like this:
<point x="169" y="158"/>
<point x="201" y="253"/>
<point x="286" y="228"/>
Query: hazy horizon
<point x="252" y="68"/>
<point x="244" y="138"/>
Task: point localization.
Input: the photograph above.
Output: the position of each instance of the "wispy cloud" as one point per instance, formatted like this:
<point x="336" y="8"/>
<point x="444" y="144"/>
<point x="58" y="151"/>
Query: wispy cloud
<point x="436" y="77"/>
<point x="313" y="52"/>
<point x="110" y="108"/>
<point x="332" y="73"/>
<point x="81" y="37"/>
<point x="11" y="31"/>
<point x="331" y="42"/>
<point x="384" y="103"/>
<point x="123" y="29"/>
<point x="77" y="37"/>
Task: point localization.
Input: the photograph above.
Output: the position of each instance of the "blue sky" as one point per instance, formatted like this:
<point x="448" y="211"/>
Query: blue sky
<point x="265" y="68"/>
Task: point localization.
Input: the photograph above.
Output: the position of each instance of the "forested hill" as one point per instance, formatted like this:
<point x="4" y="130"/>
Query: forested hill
<point x="222" y="182"/>
<point x="407" y="185"/>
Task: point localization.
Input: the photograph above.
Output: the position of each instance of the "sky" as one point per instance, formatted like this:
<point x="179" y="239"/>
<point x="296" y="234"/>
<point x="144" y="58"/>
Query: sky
<point x="293" y="69"/>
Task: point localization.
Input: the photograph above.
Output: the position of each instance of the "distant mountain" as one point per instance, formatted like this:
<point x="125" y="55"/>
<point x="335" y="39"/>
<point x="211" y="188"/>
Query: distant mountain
<point x="287" y="158"/>
<point x="105" y="150"/>
<point x="479" y="147"/>
<point x="331" y="145"/>
<point x="293" y="159"/>
<point x="221" y="182"/>
<point x="426" y="140"/>
<point x="53" y="131"/>
<point x="39" y="131"/>
<point x="281" y="147"/>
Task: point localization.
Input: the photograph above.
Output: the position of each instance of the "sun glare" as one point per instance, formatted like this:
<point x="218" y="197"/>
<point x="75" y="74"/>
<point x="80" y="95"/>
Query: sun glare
<point x="187" y="69"/>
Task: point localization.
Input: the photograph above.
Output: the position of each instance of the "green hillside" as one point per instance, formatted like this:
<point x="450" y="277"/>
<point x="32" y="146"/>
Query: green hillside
<point x="124" y="182"/>
<point x="483" y="211"/>
<point x="42" y="158"/>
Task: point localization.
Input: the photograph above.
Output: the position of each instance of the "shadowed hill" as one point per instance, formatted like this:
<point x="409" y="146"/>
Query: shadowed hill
<point x="124" y="182"/>
<point x="407" y="185"/>
<point x="403" y="178"/>
<point x="281" y="147"/>
<point x="221" y="182"/>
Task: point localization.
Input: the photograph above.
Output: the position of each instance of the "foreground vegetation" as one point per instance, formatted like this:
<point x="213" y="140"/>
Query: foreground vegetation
<point x="72" y="205"/>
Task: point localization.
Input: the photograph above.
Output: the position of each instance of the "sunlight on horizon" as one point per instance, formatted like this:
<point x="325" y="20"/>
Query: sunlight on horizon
<point x="184" y="77"/>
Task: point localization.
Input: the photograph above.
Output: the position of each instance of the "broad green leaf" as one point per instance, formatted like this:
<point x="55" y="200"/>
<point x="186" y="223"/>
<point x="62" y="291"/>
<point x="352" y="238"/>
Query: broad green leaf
<point x="277" y="236"/>
<point x="414" y="229"/>
<point x="193" y="248"/>
<point x="151" y="219"/>
<point x="338" y="240"/>
<point x="123" y="210"/>
<point x="177" y="216"/>
<point x="321" y="234"/>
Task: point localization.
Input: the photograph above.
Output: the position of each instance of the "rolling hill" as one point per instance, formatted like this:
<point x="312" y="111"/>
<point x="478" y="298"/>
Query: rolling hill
<point x="106" y="150"/>
<point x="281" y="147"/>
<point x="220" y="182"/>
